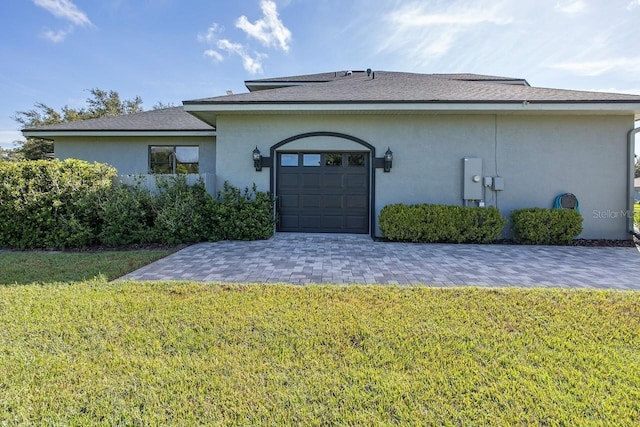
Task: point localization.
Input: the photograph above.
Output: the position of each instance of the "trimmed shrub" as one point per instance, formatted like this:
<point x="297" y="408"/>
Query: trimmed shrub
<point x="242" y="215"/>
<point x="540" y="226"/>
<point x="50" y="204"/>
<point x="440" y="223"/>
<point x="182" y="213"/>
<point x="480" y="225"/>
<point x="126" y="216"/>
<point x="73" y="204"/>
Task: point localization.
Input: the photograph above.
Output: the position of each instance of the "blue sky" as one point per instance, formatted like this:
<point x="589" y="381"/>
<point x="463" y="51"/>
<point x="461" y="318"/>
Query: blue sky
<point x="54" y="51"/>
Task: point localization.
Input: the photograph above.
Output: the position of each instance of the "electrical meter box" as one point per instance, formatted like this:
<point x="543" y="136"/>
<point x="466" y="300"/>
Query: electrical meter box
<point x="472" y="181"/>
<point x="498" y="183"/>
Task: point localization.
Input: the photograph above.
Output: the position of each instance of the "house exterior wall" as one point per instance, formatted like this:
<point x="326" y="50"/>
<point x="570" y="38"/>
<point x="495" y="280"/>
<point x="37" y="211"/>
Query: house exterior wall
<point x="539" y="157"/>
<point x="130" y="155"/>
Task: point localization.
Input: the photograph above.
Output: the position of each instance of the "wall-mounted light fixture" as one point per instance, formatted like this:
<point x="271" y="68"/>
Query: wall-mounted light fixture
<point x="388" y="160"/>
<point x="257" y="159"/>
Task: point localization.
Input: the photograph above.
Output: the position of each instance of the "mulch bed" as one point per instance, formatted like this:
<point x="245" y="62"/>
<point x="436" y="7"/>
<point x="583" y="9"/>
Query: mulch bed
<point x="606" y="243"/>
<point x="587" y="242"/>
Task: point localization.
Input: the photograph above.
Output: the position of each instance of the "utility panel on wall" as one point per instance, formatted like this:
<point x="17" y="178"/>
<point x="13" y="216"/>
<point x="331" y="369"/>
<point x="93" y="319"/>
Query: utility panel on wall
<point x="472" y="181"/>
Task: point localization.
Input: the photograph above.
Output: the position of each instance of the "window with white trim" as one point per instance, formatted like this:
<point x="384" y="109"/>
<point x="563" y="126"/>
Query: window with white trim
<point x="170" y="159"/>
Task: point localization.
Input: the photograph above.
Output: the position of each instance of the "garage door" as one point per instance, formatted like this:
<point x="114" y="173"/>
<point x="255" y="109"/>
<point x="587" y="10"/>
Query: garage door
<point x="323" y="192"/>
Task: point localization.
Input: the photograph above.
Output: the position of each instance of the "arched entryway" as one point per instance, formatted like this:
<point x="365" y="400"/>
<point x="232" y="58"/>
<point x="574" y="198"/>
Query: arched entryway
<point x="323" y="183"/>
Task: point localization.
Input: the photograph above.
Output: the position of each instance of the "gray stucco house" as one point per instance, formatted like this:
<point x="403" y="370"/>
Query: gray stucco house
<point x="335" y="148"/>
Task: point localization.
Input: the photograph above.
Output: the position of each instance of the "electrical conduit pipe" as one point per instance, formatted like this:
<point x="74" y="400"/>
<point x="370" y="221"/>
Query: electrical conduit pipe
<point x="630" y="168"/>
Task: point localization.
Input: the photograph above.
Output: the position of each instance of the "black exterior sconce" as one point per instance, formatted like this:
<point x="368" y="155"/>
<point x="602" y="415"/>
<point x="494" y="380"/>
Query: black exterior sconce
<point x="388" y="160"/>
<point x="257" y="159"/>
<point x="385" y="162"/>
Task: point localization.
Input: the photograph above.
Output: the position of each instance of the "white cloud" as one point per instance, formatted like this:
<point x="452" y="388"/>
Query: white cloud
<point x="633" y="4"/>
<point x="570" y="7"/>
<point x="64" y="9"/>
<point x="55" y="36"/>
<point x="597" y="68"/>
<point x="229" y="46"/>
<point x="269" y="30"/>
<point x="253" y="64"/>
<point x="424" y="32"/>
<point x="438" y="45"/>
<point x="211" y="35"/>
<point x="414" y="15"/>
<point x="213" y="54"/>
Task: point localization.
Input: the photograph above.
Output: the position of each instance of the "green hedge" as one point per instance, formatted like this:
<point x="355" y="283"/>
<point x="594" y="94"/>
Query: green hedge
<point x="176" y="213"/>
<point x="539" y="226"/>
<point x="182" y="213"/>
<point x="439" y="223"/>
<point x="50" y="204"/>
<point x="126" y="216"/>
<point x="74" y="204"/>
<point x="242" y="215"/>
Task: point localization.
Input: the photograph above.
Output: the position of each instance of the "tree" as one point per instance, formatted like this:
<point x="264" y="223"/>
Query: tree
<point x="106" y="104"/>
<point x="161" y="105"/>
<point x="100" y="104"/>
<point x="637" y="171"/>
<point x="8" y="155"/>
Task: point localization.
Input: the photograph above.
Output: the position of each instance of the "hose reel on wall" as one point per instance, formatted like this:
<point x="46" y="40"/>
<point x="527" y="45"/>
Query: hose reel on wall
<point x="566" y="201"/>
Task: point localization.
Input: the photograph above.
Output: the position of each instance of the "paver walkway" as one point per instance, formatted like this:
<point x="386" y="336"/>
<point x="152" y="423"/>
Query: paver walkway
<point x="339" y="258"/>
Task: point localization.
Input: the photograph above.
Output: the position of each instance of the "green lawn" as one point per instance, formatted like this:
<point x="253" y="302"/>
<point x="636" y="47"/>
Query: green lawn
<point x="30" y="267"/>
<point x="192" y="354"/>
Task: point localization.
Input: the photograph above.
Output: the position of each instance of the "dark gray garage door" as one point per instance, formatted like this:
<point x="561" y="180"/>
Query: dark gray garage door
<point x="323" y="192"/>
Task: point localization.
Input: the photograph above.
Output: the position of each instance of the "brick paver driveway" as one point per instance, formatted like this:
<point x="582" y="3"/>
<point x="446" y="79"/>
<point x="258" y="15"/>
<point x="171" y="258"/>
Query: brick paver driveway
<point x="338" y="258"/>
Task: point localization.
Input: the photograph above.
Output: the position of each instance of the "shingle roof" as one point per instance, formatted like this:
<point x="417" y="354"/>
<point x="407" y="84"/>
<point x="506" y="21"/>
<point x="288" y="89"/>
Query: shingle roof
<point x="341" y="88"/>
<point x="483" y="78"/>
<point x="166" y="119"/>
<point x="310" y="78"/>
<point x="279" y="82"/>
<point x="340" y="75"/>
<point x="396" y="87"/>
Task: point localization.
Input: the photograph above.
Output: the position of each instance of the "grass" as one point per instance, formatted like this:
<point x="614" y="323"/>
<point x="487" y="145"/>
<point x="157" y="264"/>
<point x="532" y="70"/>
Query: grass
<point x="43" y="267"/>
<point x="190" y="354"/>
